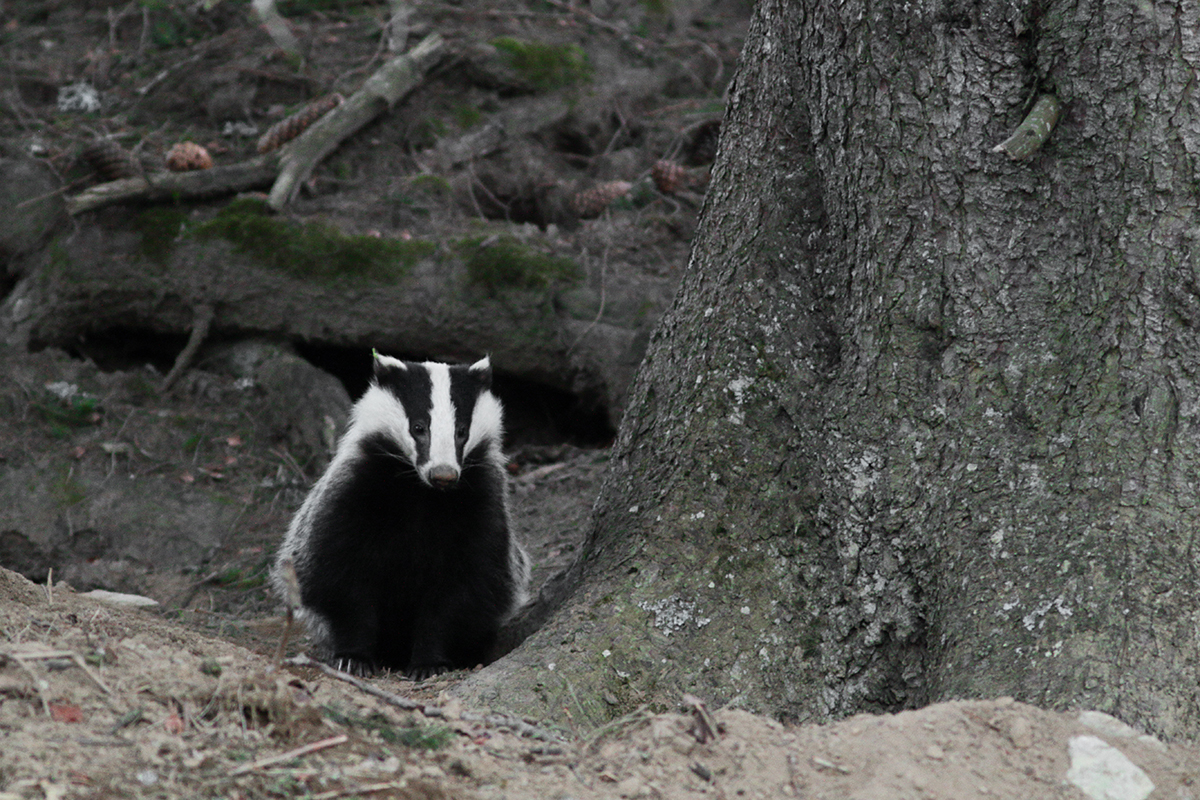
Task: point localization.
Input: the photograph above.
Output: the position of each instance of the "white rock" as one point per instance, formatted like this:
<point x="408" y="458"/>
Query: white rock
<point x="1102" y="772"/>
<point x="1111" y="726"/>
<point x="81" y="97"/>
<point x="119" y="599"/>
<point x="1107" y="724"/>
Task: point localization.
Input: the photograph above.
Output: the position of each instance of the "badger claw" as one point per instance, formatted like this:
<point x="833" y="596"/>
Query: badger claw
<point x="354" y="666"/>
<point x="423" y="671"/>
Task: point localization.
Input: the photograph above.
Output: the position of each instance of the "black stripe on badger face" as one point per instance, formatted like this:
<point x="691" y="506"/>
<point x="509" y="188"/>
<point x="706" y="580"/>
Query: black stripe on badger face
<point x="439" y="401"/>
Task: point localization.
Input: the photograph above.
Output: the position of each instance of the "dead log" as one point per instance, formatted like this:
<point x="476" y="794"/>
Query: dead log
<point x="94" y="282"/>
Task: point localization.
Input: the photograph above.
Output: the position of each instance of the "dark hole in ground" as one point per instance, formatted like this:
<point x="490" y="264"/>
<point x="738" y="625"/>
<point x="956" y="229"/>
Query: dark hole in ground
<point x="518" y="207"/>
<point x="534" y="414"/>
<point x="122" y="348"/>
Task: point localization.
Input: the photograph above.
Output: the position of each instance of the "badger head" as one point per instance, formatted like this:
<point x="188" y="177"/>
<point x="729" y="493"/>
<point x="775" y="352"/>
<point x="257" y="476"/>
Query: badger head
<point x="440" y="416"/>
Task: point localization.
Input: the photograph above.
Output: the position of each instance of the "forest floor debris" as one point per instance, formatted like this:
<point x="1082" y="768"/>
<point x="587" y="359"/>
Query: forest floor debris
<point x="164" y="711"/>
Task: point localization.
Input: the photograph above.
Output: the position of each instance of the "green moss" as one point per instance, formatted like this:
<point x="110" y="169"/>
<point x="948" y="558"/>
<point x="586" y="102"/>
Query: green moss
<point x="467" y="116"/>
<point x="60" y="260"/>
<point x="64" y="415"/>
<point x="160" y="228"/>
<point x="235" y="578"/>
<point x="417" y="737"/>
<point x="66" y="490"/>
<point x="505" y="263"/>
<point x="434" y="185"/>
<point x="312" y="251"/>
<point x="545" y="66"/>
<point x="296" y="8"/>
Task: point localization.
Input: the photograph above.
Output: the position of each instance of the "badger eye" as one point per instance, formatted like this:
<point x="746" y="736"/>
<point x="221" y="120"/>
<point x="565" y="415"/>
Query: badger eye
<point x="419" y="428"/>
<point x="461" y="432"/>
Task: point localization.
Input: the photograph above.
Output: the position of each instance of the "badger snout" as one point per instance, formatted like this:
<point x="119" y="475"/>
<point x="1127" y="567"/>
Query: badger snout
<point x="443" y="476"/>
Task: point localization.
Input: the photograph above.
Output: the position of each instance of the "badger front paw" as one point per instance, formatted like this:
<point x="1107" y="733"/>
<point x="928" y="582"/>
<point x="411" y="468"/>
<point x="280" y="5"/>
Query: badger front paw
<point x="353" y="665"/>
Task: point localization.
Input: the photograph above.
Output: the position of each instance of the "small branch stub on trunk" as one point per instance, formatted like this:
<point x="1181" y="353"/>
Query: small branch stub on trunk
<point x="1033" y="131"/>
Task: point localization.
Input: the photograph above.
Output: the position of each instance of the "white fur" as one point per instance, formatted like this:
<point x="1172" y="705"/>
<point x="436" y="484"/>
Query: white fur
<point x="388" y="361"/>
<point x="442" y="451"/>
<point x="378" y="411"/>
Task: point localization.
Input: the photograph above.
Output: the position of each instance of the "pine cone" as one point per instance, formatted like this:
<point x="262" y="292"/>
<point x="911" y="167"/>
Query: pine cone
<point x="702" y="145"/>
<point x="670" y="177"/>
<point x="188" y="156"/>
<point x="110" y="160"/>
<point x="291" y="127"/>
<point x="592" y="202"/>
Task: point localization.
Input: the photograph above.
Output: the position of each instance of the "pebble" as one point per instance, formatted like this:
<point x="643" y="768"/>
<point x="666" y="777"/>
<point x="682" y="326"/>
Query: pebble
<point x="1020" y="732"/>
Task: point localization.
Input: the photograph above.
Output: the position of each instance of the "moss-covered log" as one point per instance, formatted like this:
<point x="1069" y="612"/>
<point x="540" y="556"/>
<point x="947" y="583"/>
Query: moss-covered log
<point x="533" y="310"/>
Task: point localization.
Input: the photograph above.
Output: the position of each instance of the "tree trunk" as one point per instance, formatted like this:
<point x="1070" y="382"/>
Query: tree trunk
<point x="917" y="424"/>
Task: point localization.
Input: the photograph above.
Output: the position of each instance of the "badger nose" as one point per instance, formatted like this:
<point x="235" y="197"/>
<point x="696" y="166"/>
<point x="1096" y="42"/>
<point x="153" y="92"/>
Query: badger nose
<point x="443" y="476"/>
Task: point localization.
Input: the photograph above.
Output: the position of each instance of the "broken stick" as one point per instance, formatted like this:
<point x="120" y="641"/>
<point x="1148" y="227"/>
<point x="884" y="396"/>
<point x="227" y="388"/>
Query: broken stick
<point x="380" y="92"/>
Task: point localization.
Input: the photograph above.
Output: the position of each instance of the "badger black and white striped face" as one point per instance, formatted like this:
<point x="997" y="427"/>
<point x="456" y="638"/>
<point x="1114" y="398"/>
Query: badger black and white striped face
<point x="439" y="415"/>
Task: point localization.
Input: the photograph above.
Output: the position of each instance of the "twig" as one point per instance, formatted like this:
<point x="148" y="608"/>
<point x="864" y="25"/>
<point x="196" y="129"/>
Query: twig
<point x="38" y="652"/>
<point x="37" y="684"/>
<point x="356" y="790"/>
<point x="393" y="699"/>
<point x="707" y="727"/>
<point x="600" y="310"/>
<point x="200" y="324"/>
<point x="162" y="76"/>
<point x="599" y="23"/>
<point x="304" y="750"/>
<point x="276" y="27"/>
<point x="494" y="720"/>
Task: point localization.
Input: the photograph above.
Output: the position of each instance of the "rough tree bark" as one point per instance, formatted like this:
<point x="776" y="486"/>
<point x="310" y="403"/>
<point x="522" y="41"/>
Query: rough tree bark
<point x="919" y="424"/>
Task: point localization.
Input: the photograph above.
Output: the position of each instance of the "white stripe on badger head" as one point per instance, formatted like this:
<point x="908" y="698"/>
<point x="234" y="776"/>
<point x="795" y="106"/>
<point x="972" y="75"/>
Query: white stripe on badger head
<point x="442" y="450"/>
<point x="378" y="411"/>
<point x="487" y="425"/>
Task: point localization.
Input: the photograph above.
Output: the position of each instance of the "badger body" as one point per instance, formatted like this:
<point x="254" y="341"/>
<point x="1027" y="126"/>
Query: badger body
<point x="402" y="549"/>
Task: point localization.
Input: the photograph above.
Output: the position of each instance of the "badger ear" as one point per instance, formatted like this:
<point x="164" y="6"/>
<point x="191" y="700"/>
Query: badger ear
<point x="482" y="371"/>
<point x="384" y="363"/>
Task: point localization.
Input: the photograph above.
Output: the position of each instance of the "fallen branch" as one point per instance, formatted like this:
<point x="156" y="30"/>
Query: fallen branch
<point x="287" y="167"/>
<point x="163" y="186"/>
<point x="379" y="93"/>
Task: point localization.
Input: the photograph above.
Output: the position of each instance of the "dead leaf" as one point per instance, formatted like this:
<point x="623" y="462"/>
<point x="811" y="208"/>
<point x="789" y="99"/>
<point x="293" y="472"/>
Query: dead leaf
<point x="62" y="712"/>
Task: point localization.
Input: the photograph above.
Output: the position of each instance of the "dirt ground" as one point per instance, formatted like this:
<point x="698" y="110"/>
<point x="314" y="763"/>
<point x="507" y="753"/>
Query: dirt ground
<point x="103" y="702"/>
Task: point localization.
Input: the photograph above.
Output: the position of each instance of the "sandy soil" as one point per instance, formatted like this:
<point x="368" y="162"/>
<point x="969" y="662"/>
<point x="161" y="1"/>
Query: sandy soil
<point x="98" y="701"/>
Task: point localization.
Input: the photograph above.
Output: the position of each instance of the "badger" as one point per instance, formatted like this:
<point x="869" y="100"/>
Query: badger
<point x="402" y="548"/>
